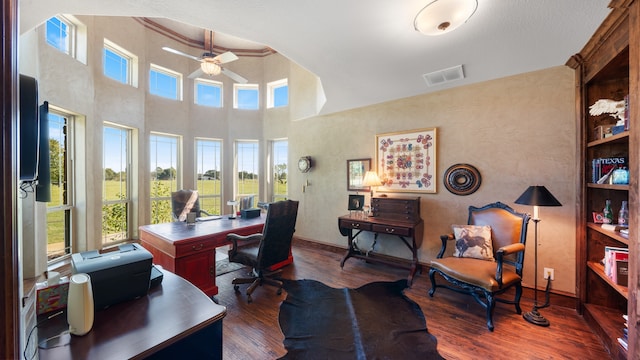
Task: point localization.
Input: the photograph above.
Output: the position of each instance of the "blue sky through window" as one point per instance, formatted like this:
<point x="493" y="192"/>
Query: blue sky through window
<point x="208" y="94"/>
<point x="115" y="66"/>
<point x="163" y="84"/>
<point x="247" y="99"/>
<point x="58" y="34"/>
<point x="281" y="96"/>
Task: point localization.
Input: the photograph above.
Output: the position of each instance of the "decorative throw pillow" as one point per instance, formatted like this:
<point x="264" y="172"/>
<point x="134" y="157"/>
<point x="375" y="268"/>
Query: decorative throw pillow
<point x="473" y="241"/>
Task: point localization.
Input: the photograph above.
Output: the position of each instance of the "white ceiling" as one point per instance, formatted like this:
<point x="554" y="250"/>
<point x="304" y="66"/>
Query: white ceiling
<point x="366" y="51"/>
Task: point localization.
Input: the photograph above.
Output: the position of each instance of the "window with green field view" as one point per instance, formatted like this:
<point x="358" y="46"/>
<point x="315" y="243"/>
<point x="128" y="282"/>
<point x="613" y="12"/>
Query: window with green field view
<point x="247" y="184"/>
<point x="209" y="175"/>
<point x="59" y="209"/>
<point x="116" y="197"/>
<point x="164" y="155"/>
<point x="279" y="155"/>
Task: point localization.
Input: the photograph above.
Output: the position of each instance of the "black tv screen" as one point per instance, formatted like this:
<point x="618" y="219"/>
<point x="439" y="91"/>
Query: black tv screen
<point x="29" y="128"/>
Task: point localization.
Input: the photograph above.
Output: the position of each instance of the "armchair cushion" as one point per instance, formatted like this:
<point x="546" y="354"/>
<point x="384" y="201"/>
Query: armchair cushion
<point x="473" y="241"/>
<point x="476" y="272"/>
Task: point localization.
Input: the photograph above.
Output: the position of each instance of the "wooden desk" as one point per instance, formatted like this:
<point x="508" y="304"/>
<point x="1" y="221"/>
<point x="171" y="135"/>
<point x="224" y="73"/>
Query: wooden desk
<point x="393" y="216"/>
<point x="188" y="250"/>
<point x="173" y="320"/>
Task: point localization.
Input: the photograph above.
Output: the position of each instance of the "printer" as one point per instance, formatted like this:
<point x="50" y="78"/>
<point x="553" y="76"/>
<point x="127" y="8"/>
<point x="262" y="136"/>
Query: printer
<point x="116" y="276"/>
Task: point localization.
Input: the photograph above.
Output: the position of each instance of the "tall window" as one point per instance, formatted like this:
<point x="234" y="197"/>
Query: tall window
<point x="245" y="96"/>
<point x="209" y="175"/>
<point x="164" y="155"/>
<point x="208" y="93"/>
<point x="68" y="35"/>
<point x="119" y="64"/>
<point x="164" y="82"/>
<point x="59" y="209"/>
<point x="116" y="194"/>
<point x="279" y="155"/>
<point x="277" y="93"/>
<point x="247" y="166"/>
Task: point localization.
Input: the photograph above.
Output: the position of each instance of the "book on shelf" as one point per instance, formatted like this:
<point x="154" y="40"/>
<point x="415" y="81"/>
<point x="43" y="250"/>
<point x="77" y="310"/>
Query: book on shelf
<point x="602" y="168"/>
<point x="614" y="227"/>
<point x="612" y="255"/>
<point x="621" y="275"/>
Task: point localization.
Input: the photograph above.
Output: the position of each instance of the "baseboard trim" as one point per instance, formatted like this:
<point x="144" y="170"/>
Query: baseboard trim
<point x="557" y="298"/>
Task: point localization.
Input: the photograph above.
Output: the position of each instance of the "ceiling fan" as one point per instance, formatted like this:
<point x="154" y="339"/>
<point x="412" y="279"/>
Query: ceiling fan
<point x="210" y="64"/>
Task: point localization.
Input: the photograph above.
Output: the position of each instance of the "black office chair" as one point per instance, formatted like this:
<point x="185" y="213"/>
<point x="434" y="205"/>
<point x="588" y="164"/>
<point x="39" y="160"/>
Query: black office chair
<point x="184" y="202"/>
<point x="263" y="251"/>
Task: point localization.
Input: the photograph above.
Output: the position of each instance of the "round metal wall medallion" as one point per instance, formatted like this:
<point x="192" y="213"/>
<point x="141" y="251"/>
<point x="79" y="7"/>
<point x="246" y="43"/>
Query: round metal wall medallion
<point x="462" y="179"/>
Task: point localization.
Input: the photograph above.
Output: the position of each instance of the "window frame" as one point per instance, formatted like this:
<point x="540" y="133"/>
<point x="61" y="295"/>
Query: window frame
<point x="239" y="190"/>
<point x="209" y="83"/>
<point x="204" y="196"/>
<point x="245" y="87"/>
<point x="272" y="87"/>
<point x="273" y="176"/>
<point x="127" y="201"/>
<point x="174" y="185"/>
<point x="67" y="208"/>
<point x="131" y="76"/>
<point x="170" y="73"/>
<point x="77" y="34"/>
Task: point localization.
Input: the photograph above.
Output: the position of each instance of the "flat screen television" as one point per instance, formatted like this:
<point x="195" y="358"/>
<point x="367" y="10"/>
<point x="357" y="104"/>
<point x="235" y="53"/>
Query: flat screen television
<point x="29" y="129"/>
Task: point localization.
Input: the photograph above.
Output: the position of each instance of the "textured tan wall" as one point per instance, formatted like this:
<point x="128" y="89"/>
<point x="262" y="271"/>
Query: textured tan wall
<point x="517" y="131"/>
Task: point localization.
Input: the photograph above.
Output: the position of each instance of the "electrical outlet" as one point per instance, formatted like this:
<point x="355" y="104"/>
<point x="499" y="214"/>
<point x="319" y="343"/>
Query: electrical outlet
<point x="548" y="273"/>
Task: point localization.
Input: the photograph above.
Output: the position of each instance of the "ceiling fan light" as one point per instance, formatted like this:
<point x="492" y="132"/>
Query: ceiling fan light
<point x="210" y="68"/>
<point x="443" y="16"/>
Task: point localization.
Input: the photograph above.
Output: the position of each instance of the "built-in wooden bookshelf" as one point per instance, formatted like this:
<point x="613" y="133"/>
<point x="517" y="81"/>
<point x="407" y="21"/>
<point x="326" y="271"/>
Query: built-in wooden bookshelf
<point x="603" y="71"/>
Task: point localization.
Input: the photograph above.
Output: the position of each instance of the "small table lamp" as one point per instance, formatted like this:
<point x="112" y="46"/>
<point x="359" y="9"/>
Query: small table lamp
<point x="537" y="196"/>
<point x="371" y="179"/>
<point x="233" y="204"/>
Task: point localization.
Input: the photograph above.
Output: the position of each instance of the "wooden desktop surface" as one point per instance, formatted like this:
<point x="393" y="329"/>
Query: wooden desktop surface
<point x="189" y="249"/>
<point x="135" y="329"/>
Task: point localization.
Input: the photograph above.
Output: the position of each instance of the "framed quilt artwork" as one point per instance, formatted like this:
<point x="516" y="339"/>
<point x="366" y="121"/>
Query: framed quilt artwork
<point x="406" y="161"/>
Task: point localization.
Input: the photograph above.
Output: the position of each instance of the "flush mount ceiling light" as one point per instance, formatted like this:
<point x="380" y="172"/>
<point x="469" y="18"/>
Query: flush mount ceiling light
<point x="442" y="16"/>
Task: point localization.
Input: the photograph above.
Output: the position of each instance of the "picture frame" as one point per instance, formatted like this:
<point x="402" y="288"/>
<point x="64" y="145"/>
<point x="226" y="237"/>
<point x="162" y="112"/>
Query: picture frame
<point x="356" y="168"/>
<point x="406" y="161"/>
<point x="356" y="202"/>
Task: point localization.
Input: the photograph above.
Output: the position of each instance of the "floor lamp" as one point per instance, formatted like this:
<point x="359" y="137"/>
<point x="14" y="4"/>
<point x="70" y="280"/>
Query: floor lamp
<point x="537" y="196"/>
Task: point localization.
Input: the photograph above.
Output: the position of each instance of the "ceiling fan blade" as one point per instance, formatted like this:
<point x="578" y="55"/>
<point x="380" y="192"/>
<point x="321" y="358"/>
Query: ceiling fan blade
<point x="237" y="78"/>
<point x="196" y="74"/>
<point x="226" y="57"/>
<point x="177" y="52"/>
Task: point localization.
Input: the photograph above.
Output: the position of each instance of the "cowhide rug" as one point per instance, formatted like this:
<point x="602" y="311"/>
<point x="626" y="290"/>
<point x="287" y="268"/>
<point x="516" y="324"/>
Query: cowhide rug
<point x="375" y="321"/>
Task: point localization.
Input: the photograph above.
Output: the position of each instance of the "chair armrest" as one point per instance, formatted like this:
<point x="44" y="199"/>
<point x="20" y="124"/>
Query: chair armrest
<point x="505" y="250"/>
<point x="203" y="212"/>
<point x="236" y="239"/>
<point x="444" y="238"/>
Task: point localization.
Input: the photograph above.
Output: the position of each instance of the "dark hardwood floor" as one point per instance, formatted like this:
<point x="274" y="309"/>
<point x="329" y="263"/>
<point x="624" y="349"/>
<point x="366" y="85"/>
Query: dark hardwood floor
<point x="251" y="331"/>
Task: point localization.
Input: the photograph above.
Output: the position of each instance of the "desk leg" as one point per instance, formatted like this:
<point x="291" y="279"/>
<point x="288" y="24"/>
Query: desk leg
<point x="349" y="252"/>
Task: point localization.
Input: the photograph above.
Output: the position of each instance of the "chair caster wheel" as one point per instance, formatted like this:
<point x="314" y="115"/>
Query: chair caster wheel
<point x="236" y="287"/>
<point x="279" y="292"/>
<point x="249" y="299"/>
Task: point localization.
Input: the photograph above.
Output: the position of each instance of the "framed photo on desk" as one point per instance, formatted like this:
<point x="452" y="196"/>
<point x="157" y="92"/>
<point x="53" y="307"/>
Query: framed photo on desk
<point x="356" y="202"/>
<point x="356" y="168"/>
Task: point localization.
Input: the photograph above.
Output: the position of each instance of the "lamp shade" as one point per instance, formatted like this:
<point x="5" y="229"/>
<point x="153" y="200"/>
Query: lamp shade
<point x="371" y="179"/>
<point x="442" y="16"/>
<point x="537" y="196"/>
<point x="210" y="68"/>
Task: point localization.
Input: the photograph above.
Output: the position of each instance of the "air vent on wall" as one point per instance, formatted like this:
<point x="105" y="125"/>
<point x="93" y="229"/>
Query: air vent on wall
<point x="444" y="76"/>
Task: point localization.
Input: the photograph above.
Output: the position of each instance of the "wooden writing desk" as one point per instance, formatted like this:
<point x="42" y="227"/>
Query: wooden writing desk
<point x="392" y="216"/>
<point x="188" y="250"/>
<point x="175" y="320"/>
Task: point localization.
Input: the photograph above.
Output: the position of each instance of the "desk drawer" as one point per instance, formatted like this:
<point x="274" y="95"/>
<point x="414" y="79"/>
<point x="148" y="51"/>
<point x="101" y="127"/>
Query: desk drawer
<point x="394" y="230"/>
<point x="352" y="224"/>
<point x="194" y="248"/>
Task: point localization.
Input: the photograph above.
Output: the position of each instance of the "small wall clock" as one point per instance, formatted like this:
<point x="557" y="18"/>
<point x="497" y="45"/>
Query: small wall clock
<point x="304" y="164"/>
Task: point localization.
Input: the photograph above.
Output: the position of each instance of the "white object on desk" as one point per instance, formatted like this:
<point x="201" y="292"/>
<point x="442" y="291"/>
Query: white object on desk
<point x="208" y="218"/>
<point x="80" y="305"/>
